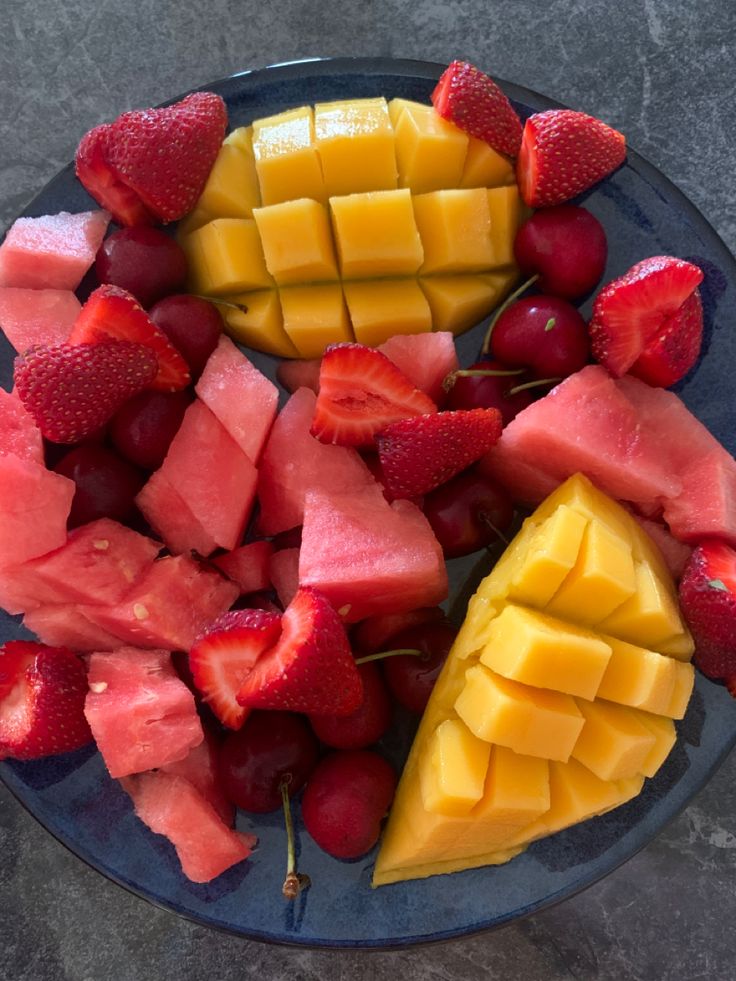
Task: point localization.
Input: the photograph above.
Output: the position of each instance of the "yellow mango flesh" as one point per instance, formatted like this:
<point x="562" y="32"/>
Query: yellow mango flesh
<point x="258" y="322"/>
<point x="430" y="151"/>
<point x="376" y="234"/>
<point x="455" y="229"/>
<point x="286" y="158"/>
<point x="454" y="769"/>
<point x="312" y="315"/>
<point x="612" y="744"/>
<point x="232" y="189"/>
<point x="485" y="167"/>
<point x="457" y="303"/>
<point x="355" y="143"/>
<point x="297" y="241"/>
<point x="379" y="309"/>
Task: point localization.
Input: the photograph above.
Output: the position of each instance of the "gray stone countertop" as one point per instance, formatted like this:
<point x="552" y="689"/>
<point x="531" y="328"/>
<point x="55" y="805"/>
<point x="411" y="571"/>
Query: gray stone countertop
<point x="660" y="70"/>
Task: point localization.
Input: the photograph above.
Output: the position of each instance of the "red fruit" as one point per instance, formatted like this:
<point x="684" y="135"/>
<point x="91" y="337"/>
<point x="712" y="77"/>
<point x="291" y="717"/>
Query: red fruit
<point x="113" y="313"/>
<point x="106" y="486"/>
<point x="152" y="164"/>
<point x="490" y="389"/>
<point x="224" y="654"/>
<point x="366" y="724"/>
<point x="299" y="374"/>
<point x="542" y="333"/>
<point x="419" y="454"/>
<point x="142" y="430"/>
<point x="72" y="390"/>
<point x="271" y="747"/>
<point x="345" y="801"/>
<point x="708" y="599"/>
<point x="467" y="513"/>
<point x="360" y="392"/>
<point x="311" y="668"/>
<point x="563" y="153"/>
<point x="193" y="326"/>
<point x="641" y="314"/>
<point x="410" y="677"/>
<point x="566" y="247"/>
<point x="144" y="261"/>
<point x="42" y="692"/>
<point x="474" y="103"/>
<point x="374" y="633"/>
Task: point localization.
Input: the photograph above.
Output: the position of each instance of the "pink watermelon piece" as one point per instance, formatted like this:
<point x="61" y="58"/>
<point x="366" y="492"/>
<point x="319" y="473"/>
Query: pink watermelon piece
<point x="141" y="713"/>
<point x="51" y="252"/>
<point x="19" y="434"/>
<point x="168" y="607"/>
<point x="298" y="373"/>
<point x="63" y="625"/>
<point x="165" y="511"/>
<point x="199" y="767"/>
<point x="284" y="574"/>
<point x="241" y="398"/>
<point x="247" y="566"/>
<point x="706" y="508"/>
<point x="29" y="317"/>
<point x="368" y="556"/>
<point x="34" y="507"/>
<point x="170" y="805"/>
<point x="426" y="359"/>
<point x="294" y="463"/>
<point x="674" y="553"/>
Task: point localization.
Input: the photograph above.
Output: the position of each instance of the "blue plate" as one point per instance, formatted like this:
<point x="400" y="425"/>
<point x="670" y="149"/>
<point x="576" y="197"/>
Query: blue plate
<point x="73" y="797"/>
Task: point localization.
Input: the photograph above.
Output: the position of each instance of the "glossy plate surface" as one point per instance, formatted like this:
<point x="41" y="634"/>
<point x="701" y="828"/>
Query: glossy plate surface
<point x="72" y="796"/>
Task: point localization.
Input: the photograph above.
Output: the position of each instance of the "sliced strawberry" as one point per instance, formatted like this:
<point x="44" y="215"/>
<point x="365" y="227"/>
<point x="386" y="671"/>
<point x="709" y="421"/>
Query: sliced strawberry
<point x="360" y="392"/>
<point x="708" y="599"/>
<point x="311" y="669"/>
<point x="152" y="164"/>
<point x="73" y="390"/>
<point x="475" y="104"/>
<point x="639" y="318"/>
<point x="563" y="153"/>
<point x="226" y="652"/>
<point x="42" y="692"/>
<point x="113" y="312"/>
<point x="419" y="454"/>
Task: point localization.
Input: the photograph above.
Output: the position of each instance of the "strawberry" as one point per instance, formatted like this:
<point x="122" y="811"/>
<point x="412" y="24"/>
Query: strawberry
<point x="112" y="312"/>
<point x="151" y="165"/>
<point x="708" y="599"/>
<point x="224" y="654"/>
<point x="419" y="454"/>
<point x="563" y="153"/>
<point x="73" y="390"/>
<point x="642" y="322"/>
<point x="475" y="104"/>
<point x="360" y="392"/>
<point x="42" y="693"/>
<point x="311" y="669"/>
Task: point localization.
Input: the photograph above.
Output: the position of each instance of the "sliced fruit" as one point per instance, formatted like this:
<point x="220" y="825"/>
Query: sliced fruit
<point x="19" y="434"/>
<point x="62" y="625"/>
<point x="708" y="597"/>
<point x="247" y="566"/>
<point x="29" y="317"/>
<point x="52" y="252"/>
<point x="34" y="507"/>
<point x="425" y="359"/>
<point x="475" y="104"/>
<point x="200" y="768"/>
<point x="283" y="571"/>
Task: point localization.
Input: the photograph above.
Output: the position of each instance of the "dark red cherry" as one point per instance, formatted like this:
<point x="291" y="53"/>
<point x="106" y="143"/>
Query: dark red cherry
<point x="106" y="485"/>
<point x="566" y="246"/>
<point x="192" y="325"/>
<point x="542" y="333"/>
<point x="143" y="260"/>
<point x="467" y="513"/>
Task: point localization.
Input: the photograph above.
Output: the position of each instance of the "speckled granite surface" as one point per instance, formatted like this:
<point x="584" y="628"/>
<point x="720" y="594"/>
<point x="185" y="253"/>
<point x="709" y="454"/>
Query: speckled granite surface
<point x="661" y="71"/>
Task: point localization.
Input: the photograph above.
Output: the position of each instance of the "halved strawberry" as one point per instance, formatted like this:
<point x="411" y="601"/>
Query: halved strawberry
<point x="225" y="653"/>
<point x="419" y="454"/>
<point x="311" y="669"/>
<point x="563" y="153"/>
<point x="360" y="392"/>
<point x="113" y="312"/>
<point x="152" y="164"/>
<point x="475" y="104"/>
<point x="42" y="692"/>
<point x="641" y="318"/>
<point x="708" y="599"/>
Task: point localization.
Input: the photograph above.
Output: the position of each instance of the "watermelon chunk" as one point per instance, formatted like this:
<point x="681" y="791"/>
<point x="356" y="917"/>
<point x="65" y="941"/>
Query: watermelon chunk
<point x="63" y="625"/>
<point x="241" y="398"/>
<point x="19" y="433"/>
<point x="368" y="556"/>
<point x="170" y="805"/>
<point x="199" y="767"/>
<point x="53" y="251"/>
<point x="165" y="511"/>
<point x="294" y="462"/>
<point x="34" y="507"/>
<point x="168" y="607"/>
<point x="426" y="359"/>
<point x="299" y="373"/>
<point x="284" y="574"/>
<point x="30" y="317"/>
<point x="247" y="566"/>
<point x="141" y="713"/>
<point x="674" y="553"/>
<point x="706" y="508"/>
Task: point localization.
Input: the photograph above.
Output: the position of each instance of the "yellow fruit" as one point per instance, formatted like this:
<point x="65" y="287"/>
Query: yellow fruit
<point x="430" y="151"/>
<point x="380" y="308"/>
<point x="286" y="158"/>
<point x="297" y="241"/>
<point x="314" y="316"/>
<point x="355" y="142"/>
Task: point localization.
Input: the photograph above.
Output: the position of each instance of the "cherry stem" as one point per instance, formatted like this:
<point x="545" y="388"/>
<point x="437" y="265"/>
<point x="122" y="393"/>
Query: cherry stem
<point x="487" y="521"/>
<point x="411" y="651"/>
<point x="511" y="298"/>
<point x="534" y="384"/>
<point x="294" y="881"/>
<point x="218" y="301"/>
<point x="450" y="379"/>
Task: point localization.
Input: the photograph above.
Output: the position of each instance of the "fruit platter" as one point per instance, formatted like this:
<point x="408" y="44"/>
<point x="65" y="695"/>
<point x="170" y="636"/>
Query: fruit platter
<point x="368" y="499"/>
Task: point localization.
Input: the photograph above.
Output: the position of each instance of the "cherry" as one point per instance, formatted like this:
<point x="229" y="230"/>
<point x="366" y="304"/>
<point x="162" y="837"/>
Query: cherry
<point x="372" y="634"/>
<point x="566" y="246"/>
<point x="345" y="801"/>
<point x="142" y="430"/>
<point x="467" y="513"/>
<point x="270" y="748"/>
<point x="544" y="334"/>
<point x="490" y="390"/>
<point x="366" y="724"/>
<point x="143" y="260"/>
<point x="193" y="326"/>
<point x="106" y="484"/>
<point x="411" y="677"/>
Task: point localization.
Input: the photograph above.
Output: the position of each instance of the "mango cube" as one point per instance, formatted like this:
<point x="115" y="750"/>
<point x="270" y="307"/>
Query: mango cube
<point x="355" y="142"/>
<point x="297" y="241"/>
<point x="379" y="309"/>
<point x="551" y="555"/>
<point x="453" y="769"/>
<point x="199" y="280"/>
<point x="430" y="151"/>
<point x="613" y="744"/>
<point x="664" y="733"/>
<point x="485" y="167"/>
<point x="460" y="302"/>
<point x="455" y="229"/>
<point x="255" y="319"/>
<point x="231" y="251"/>
<point x="286" y="158"/>
<point x="646" y="680"/>
<point x="650" y="616"/>
<point x="376" y="234"/>
<point x="315" y="316"/>
<point x="232" y="188"/>
<point x="504" y="205"/>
